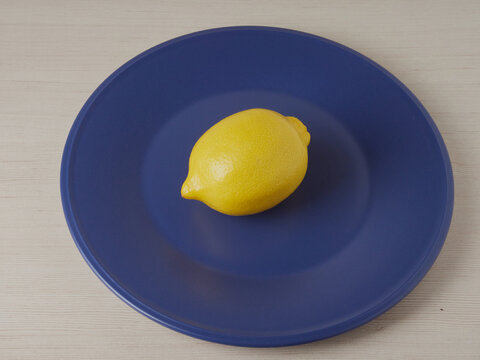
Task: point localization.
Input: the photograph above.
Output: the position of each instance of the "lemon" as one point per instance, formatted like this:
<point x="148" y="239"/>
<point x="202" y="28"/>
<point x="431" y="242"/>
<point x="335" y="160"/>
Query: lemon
<point x="248" y="162"/>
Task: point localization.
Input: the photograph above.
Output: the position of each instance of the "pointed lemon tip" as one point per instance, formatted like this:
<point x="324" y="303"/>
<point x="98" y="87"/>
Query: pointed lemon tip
<point x="190" y="188"/>
<point x="301" y="129"/>
<point x="186" y="191"/>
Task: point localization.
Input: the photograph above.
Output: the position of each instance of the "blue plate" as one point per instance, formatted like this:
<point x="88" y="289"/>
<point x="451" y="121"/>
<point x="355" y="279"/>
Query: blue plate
<point x="360" y="232"/>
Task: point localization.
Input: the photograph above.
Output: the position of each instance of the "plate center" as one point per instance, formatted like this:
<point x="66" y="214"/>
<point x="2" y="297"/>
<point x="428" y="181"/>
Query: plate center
<point x="319" y="219"/>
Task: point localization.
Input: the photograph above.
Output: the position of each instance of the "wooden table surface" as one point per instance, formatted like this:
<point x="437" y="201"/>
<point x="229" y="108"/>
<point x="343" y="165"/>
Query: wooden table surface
<point x="53" y="54"/>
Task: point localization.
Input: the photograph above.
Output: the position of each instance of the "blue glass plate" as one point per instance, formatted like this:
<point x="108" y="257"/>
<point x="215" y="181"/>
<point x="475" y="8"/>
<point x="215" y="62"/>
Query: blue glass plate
<point x="359" y="233"/>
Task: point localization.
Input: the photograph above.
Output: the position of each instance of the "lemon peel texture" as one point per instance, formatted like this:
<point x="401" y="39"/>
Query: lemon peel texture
<point x="248" y="162"/>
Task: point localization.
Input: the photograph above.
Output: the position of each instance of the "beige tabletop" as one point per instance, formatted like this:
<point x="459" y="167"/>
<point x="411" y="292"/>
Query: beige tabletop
<point x="53" y="54"/>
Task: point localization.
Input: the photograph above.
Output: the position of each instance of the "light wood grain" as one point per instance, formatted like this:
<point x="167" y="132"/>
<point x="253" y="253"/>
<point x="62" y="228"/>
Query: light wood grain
<point x="54" y="53"/>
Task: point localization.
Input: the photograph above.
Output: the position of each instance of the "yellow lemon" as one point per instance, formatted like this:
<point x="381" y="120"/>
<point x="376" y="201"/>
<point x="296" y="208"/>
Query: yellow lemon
<point x="248" y="162"/>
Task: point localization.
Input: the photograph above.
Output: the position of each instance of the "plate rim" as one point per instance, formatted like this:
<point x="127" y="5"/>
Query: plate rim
<point x="255" y="341"/>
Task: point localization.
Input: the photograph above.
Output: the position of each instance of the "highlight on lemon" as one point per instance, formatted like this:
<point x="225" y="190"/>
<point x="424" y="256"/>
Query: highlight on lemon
<point x="248" y="162"/>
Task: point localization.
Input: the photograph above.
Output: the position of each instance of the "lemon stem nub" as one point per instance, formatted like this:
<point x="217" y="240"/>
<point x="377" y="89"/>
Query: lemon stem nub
<point x="301" y="129"/>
